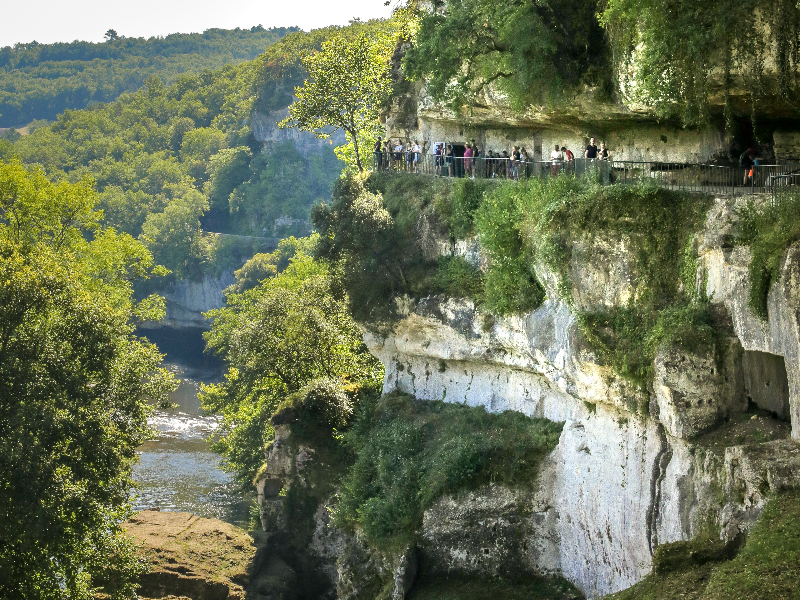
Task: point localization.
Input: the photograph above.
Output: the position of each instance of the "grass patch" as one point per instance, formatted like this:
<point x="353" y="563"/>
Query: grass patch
<point x="410" y="452"/>
<point x="769" y="231"/>
<point x="461" y="588"/>
<point x="766" y="568"/>
<point x="456" y="278"/>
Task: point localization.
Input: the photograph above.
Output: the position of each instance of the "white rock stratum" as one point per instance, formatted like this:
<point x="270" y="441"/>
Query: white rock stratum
<point x="632" y="470"/>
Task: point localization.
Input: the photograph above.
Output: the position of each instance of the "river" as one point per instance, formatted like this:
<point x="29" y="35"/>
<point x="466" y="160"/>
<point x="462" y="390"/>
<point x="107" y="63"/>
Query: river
<point x="177" y="470"/>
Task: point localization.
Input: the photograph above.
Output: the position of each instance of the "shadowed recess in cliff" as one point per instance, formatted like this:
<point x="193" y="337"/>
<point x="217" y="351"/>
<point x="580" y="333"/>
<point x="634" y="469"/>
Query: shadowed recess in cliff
<point x="411" y="452"/>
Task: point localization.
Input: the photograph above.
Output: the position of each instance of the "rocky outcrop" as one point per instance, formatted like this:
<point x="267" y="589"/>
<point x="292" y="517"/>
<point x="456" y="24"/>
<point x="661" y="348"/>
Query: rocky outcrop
<point x="191" y="557"/>
<point x="633" y="469"/>
<point x="187" y="300"/>
<point x="726" y="270"/>
<point x="265" y="130"/>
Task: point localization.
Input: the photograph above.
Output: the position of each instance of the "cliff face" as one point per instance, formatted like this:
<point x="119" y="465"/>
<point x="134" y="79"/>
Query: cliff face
<point x="632" y="469"/>
<point x="187" y="300"/>
<point x="265" y="130"/>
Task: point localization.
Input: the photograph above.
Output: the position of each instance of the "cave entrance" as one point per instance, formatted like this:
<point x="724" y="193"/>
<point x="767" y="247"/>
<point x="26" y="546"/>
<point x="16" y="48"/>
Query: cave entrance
<point x="766" y="383"/>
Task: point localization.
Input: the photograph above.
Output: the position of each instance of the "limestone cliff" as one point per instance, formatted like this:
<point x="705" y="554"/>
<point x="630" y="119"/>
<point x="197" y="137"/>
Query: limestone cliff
<point x="695" y="451"/>
<point x="632" y="469"/>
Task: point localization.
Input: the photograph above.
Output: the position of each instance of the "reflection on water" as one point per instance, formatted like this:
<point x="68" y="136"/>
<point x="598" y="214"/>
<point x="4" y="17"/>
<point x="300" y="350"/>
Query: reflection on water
<point x="177" y="470"/>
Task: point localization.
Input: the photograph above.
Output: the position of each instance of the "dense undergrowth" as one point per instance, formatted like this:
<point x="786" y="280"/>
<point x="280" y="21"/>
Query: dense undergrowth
<point x="410" y="452"/>
<point x="769" y="231"/>
<point x="461" y="588"/>
<point x="767" y="567"/>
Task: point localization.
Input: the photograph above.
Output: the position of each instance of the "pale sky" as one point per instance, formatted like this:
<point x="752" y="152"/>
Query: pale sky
<point x="48" y="21"/>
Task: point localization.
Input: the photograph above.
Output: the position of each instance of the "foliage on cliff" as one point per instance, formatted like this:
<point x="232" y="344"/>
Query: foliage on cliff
<point x="277" y="338"/>
<point x="535" y="52"/>
<point x="769" y="231"/>
<point x="382" y="234"/>
<point x="39" y="81"/>
<point x="657" y="227"/>
<point x="73" y="386"/>
<point x="766" y="567"/>
<point x="411" y="452"/>
<point x="677" y="52"/>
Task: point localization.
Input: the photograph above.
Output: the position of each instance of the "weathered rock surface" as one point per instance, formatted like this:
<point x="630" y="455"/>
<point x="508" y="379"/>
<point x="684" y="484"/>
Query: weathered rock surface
<point x="187" y="300"/>
<point x="191" y="557"/>
<point x="632" y="469"/>
<point x="265" y="130"/>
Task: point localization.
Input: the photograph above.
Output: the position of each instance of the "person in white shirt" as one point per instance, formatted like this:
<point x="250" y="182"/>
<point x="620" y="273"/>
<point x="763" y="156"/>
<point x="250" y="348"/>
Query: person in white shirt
<point x="557" y="157"/>
<point x="416" y="150"/>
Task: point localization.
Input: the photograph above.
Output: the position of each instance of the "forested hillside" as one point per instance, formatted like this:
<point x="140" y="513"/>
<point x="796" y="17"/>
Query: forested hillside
<point x="165" y="157"/>
<point x="39" y="81"/>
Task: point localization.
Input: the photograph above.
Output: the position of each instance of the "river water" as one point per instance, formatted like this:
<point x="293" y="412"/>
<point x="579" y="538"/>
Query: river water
<point x="177" y="470"/>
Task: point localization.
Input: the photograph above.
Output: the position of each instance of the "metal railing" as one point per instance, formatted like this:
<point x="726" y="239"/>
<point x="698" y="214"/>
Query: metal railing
<point x="775" y="179"/>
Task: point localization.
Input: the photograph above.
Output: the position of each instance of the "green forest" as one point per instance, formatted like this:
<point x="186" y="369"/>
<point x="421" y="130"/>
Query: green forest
<point x="139" y="167"/>
<point x="40" y="81"/>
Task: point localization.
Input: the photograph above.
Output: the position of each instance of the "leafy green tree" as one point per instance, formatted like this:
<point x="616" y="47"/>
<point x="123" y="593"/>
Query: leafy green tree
<point x="535" y="52"/>
<point x="174" y="234"/>
<point x="111" y="35"/>
<point x="682" y="54"/>
<point x="265" y="265"/>
<point x="73" y="385"/>
<point x="348" y="84"/>
<point x="277" y="338"/>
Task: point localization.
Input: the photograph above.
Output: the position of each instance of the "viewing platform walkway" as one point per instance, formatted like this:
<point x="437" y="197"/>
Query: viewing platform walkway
<point x="691" y="177"/>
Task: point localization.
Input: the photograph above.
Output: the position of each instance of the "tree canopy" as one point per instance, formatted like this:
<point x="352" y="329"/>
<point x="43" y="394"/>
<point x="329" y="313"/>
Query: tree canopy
<point x="73" y="389"/>
<point x="277" y="338"/>
<point x="535" y="52"/>
<point x="39" y="81"/>
<point x="348" y="85"/>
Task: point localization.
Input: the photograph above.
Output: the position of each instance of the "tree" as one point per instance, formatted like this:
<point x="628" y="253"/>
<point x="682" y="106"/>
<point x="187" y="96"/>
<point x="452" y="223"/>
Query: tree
<point x="348" y="84"/>
<point x="173" y="235"/>
<point x="277" y="338"/>
<point x="678" y="55"/>
<point x="73" y="385"/>
<point x="535" y="52"/>
<point x="111" y="35"/>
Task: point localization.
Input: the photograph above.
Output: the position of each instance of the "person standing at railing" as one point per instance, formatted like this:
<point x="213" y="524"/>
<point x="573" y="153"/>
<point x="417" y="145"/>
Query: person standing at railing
<point x="591" y="149"/>
<point x="514" y="163"/>
<point x="449" y="159"/>
<point x="569" y="159"/>
<point x="378" y="157"/>
<point x="468" y="161"/>
<point x="416" y="150"/>
<point x="605" y="168"/>
<point x="398" y="154"/>
<point x="747" y="161"/>
<point x="557" y="157"/>
<point x="523" y="159"/>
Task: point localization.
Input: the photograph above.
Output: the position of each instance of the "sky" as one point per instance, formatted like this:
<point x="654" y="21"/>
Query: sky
<point x="49" y="21"/>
